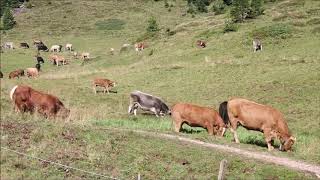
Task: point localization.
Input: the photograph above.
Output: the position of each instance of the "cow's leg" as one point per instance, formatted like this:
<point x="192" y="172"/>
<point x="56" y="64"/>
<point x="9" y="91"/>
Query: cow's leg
<point x="210" y="129"/>
<point x="177" y="120"/>
<point x="268" y="137"/>
<point x="154" y="110"/>
<point x="94" y="89"/>
<point x="107" y="89"/>
<point x="234" y="126"/>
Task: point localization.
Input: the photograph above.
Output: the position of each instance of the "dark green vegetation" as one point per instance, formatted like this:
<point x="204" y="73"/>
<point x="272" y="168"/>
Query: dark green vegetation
<point x="285" y="75"/>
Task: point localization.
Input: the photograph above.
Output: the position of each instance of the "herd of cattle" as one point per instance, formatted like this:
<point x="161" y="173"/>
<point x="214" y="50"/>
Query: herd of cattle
<point x="232" y="113"/>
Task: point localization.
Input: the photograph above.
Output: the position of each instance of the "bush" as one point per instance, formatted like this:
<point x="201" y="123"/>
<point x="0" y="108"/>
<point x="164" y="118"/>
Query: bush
<point x="230" y="26"/>
<point x="199" y="5"/>
<point x="277" y="31"/>
<point x="256" y="8"/>
<point x="152" y="25"/>
<point x="219" y="7"/>
<point x="239" y="11"/>
<point x="8" y="19"/>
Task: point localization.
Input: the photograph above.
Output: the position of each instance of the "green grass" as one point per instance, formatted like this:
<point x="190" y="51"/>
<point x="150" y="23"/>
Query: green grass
<point x="285" y="75"/>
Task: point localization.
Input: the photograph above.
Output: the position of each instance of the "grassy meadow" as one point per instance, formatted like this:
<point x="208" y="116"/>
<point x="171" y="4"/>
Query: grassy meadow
<point x="285" y="75"/>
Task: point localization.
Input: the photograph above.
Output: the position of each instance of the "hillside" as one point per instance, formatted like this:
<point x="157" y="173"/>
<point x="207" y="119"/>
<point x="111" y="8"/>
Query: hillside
<point x="285" y="75"/>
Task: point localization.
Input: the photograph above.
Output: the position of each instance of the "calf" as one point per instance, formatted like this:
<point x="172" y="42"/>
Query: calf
<point x="26" y="99"/>
<point x="33" y="72"/>
<point x="85" y="55"/>
<point x="24" y="45"/>
<point x="258" y="117"/>
<point x="8" y="45"/>
<point x="17" y="73"/>
<point x="105" y="83"/>
<point x="196" y="116"/>
<point x="56" y="48"/>
<point x="256" y="43"/>
<point x="147" y="102"/>
<point x="69" y="47"/>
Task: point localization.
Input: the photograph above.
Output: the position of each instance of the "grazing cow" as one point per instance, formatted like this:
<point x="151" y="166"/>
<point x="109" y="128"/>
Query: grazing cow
<point x="147" y="102"/>
<point x="37" y="42"/>
<point x="85" y="56"/>
<point x="105" y="83"/>
<point x="69" y="47"/>
<point x="56" y="48"/>
<point x="17" y="73"/>
<point x="196" y="116"/>
<point x="201" y="44"/>
<point x="257" y="45"/>
<point x="139" y="46"/>
<point x="24" y="45"/>
<point x="52" y="58"/>
<point x="1" y="75"/>
<point x="39" y="59"/>
<point x="75" y="55"/>
<point x="42" y="47"/>
<point x="258" y="117"/>
<point x="8" y="45"/>
<point x="33" y="72"/>
<point x="60" y="59"/>
<point x="26" y="99"/>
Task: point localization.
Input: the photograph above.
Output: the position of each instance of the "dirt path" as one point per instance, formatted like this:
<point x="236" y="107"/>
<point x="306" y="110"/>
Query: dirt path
<point x="293" y="164"/>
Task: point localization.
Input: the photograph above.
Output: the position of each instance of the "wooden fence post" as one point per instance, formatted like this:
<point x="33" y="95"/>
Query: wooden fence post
<point x="223" y="165"/>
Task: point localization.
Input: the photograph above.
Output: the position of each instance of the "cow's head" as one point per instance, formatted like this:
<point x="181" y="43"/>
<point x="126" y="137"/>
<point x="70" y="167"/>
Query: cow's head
<point x="287" y="145"/>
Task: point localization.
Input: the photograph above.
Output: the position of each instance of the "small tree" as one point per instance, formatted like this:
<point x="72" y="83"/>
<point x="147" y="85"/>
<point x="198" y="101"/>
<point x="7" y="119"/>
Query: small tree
<point x="152" y="25"/>
<point x="239" y="11"/>
<point x="8" y="19"/>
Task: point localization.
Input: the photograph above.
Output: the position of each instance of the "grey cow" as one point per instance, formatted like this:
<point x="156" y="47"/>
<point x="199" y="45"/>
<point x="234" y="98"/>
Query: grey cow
<point x="147" y="102"/>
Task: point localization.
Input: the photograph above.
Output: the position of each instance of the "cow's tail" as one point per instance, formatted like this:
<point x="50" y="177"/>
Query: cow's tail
<point x="223" y="111"/>
<point x="12" y="91"/>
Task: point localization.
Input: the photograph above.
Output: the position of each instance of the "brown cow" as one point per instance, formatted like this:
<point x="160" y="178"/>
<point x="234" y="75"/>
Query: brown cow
<point x="17" y="73"/>
<point x="196" y="116"/>
<point x="258" y="117"/>
<point x="140" y="46"/>
<point x="26" y="99"/>
<point x="105" y="83"/>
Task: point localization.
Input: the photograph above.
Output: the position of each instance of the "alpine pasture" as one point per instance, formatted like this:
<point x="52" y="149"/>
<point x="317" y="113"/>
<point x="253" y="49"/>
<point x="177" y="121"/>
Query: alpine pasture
<point x="285" y="75"/>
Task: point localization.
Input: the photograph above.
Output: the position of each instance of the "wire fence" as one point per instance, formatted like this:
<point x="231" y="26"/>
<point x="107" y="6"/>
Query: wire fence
<point x="61" y="165"/>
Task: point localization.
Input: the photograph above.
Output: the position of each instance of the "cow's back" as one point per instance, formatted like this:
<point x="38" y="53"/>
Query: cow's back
<point x="253" y="115"/>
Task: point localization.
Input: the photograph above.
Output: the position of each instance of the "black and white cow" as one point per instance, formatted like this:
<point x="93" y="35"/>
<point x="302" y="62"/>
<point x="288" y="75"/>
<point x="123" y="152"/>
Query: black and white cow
<point x="42" y="47"/>
<point x="39" y="59"/>
<point x="257" y="45"/>
<point x="147" y="102"/>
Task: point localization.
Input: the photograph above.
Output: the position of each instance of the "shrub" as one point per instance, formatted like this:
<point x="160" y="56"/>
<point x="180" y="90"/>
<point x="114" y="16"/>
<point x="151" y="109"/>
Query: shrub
<point x="152" y="25"/>
<point x="239" y="11"/>
<point x="219" y="7"/>
<point x="8" y="19"/>
<point x="277" y="31"/>
<point x="199" y="5"/>
<point x="230" y="26"/>
<point x="256" y="8"/>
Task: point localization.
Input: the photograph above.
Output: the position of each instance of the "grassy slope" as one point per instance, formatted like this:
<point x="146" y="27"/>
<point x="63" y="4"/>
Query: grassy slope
<point x="285" y="75"/>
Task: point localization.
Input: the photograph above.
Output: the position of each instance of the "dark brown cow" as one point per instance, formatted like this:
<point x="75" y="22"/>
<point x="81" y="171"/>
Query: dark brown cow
<point x="26" y="99"/>
<point x="196" y="116"/>
<point x="258" y="117"/>
<point x="17" y="73"/>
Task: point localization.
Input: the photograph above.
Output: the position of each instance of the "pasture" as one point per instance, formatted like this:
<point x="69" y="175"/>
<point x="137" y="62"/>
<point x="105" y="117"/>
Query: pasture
<point x="285" y="75"/>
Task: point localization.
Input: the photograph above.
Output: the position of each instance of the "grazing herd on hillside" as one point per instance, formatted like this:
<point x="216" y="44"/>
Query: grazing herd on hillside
<point x="232" y="113"/>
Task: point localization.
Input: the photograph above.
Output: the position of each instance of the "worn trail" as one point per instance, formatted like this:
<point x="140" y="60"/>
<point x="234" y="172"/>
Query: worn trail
<point x="293" y="164"/>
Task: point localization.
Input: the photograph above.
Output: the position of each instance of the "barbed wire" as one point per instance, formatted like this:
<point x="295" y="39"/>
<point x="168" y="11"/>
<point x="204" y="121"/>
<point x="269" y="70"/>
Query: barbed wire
<point x="59" y="164"/>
